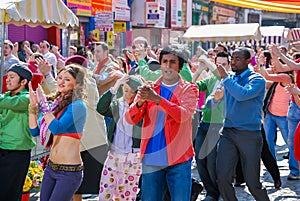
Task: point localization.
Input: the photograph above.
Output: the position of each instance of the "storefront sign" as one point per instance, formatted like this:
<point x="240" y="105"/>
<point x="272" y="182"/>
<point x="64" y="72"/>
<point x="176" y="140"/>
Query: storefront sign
<point x="152" y="12"/>
<point x="101" y="5"/>
<point x="176" y="13"/>
<point x="162" y="14"/>
<point x="224" y="15"/>
<point x="120" y="26"/>
<point x="83" y="8"/>
<point x="122" y="13"/>
<point x="199" y="7"/>
<point x="110" y="40"/>
<point x="104" y="21"/>
<point x="224" y="11"/>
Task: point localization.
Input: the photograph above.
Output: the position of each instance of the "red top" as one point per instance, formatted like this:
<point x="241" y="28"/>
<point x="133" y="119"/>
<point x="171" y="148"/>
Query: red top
<point x="297" y="77"/>
<point x="178" y="122"/>
<point x="297" y="143"/>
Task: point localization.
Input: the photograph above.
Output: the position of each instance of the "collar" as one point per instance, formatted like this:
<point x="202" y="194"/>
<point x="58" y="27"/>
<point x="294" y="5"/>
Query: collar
<point x="243" y="73"/>
<point x="23" y="91"/>
<point x="100" y="65"/>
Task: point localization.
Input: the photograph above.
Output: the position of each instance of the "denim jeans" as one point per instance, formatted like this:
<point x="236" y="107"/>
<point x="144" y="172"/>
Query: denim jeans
<point x="206" y="141"/>
<point x="156" y="180"/>
<point x="293" y="120"/>
<point x="271" y="122"/>
<point x="59" y="185"/>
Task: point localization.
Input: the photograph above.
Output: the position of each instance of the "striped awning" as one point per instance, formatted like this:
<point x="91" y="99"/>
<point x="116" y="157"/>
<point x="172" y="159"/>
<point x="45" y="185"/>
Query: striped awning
<point x="275" y="34"/>
<point x="46" y="13"/>
<point x="284" y="6"/>
<point x="295" y="34"/>
<point x="223" y="32"/>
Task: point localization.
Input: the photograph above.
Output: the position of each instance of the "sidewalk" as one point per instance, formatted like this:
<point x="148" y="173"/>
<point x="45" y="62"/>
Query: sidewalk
<point x="290" y="190"/>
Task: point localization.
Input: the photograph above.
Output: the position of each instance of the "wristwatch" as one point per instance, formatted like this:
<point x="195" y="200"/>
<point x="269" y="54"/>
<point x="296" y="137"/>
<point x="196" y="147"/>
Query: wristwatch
<point x="262" y="65"/>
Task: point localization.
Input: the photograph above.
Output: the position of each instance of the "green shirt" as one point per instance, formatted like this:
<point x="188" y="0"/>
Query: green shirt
<point x="14" y="127"/>
<point x="215" y="115"/>
<point x="150" y="75"/>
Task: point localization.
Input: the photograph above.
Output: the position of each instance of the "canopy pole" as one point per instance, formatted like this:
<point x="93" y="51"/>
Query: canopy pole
<point x="68" y="41"/>
<point x="3" y="24"/>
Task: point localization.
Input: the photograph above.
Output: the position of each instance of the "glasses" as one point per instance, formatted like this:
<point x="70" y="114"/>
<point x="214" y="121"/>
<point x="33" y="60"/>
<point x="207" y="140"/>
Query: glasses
<point x="237" y="59"/>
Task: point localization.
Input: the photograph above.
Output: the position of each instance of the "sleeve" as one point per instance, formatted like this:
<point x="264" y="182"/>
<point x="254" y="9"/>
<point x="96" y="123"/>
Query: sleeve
<point x="242" y="93"/>
<point x="16" y="103"/>
<point x="49" y="85"/>
<point x="202" y="85"/>
<point x="135" y="114"/>
<point x="211" y="104"/>
<point x="186" y="107"/>
<point x="186" y="73"/>
<point x="73" y="114"/>
<point x="103" y="106"/>
<point x="35" y="131"/>
<point x="148" y="74"/>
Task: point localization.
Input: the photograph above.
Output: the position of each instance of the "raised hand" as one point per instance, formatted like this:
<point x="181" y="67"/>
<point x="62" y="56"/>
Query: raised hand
<point x="43" y="102"/>
<point x="146" y="92"/>
<point x="219" y="94"/>
<point x="44" y="66"/>
<point x="32" y="95"/>
<point x="222" y="71"/>
<point x="292" y="89"/>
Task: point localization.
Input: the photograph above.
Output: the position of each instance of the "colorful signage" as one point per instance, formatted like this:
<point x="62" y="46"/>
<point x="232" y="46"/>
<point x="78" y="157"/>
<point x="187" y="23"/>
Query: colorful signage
<point x="101" y="5"/>
<point x="120" y="26"/>
<point x="104" y="21"/>
<point x="82" y="7"/>
<point x="152" y="12"/>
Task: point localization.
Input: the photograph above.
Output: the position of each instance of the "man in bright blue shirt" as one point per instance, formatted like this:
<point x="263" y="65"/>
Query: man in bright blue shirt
<point x="241" y="136"/>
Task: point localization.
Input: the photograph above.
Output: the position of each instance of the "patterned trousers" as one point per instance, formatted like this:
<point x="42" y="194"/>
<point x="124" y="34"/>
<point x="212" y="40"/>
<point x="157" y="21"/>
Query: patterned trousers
<point x="120" y="177"/>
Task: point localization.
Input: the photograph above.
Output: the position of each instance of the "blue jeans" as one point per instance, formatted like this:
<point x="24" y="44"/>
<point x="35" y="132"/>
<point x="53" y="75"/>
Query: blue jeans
<point x="177" y="178"/>
<point x="293" y="120"/>
<point x="59" y="185"/>
<point x="271" y="122"/>
<point x="206" y="140"/>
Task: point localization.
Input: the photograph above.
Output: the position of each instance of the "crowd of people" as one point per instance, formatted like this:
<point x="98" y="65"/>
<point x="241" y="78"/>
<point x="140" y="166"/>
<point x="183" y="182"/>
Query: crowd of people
<point x="129" y="126"/>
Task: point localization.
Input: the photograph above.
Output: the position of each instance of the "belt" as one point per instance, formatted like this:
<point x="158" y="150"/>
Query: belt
<point x="66" y="168"/>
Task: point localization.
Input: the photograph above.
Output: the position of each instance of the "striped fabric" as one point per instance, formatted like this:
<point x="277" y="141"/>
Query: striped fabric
<point x="40" y="12"/>
<point x="295" y="34"/>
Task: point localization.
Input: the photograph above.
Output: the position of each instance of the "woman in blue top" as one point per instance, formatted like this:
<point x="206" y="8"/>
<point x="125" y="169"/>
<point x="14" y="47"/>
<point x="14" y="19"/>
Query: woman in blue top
<point x="65" y="119"/>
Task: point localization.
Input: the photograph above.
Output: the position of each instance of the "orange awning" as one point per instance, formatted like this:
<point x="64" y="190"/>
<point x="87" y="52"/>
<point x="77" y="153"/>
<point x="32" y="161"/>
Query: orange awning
<point x="287" y="6"/>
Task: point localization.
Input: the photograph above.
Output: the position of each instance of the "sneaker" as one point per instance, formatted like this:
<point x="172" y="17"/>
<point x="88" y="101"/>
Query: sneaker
<point x="293" y="177"/>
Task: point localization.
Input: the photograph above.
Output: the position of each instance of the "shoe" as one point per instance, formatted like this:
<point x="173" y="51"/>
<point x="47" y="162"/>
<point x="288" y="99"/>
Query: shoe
<point x="209" y="198"/>
<point x="286" y="156"/>
<point x="277" y="183"/>
<point x="293" y="177"/>
<point x="238" y="183"/>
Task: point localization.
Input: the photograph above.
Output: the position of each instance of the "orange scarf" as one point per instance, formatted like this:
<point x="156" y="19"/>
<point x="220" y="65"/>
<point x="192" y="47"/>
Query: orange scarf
<point x="100" y="65"/>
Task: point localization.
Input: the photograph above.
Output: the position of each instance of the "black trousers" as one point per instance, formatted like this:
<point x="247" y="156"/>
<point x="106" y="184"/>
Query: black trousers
<point x="245" y="145"/>
<point x="13" y="170"/>
<point x="266" y="157"/>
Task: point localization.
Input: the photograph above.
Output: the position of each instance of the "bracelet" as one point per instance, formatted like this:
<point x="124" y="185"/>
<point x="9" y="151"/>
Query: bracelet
<point x="33" y="109"/>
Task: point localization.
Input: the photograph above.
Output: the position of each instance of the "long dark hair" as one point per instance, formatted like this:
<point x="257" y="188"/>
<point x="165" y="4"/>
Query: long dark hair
<point x="79" y="91"/>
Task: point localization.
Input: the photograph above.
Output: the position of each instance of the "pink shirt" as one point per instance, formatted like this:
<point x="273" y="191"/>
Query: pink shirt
<point x="280" y="102"/>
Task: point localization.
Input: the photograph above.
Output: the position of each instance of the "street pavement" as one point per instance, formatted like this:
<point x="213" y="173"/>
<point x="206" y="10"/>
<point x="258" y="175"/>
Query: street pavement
<point x="290" y="190"/>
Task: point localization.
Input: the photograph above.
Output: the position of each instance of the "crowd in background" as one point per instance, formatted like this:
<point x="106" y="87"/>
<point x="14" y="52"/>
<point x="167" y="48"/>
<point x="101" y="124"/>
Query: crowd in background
<point x="130" y="125"/>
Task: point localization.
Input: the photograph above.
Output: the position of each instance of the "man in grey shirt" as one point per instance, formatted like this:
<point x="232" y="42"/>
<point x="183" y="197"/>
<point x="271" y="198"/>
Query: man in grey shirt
<point x="9" y="58"/>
